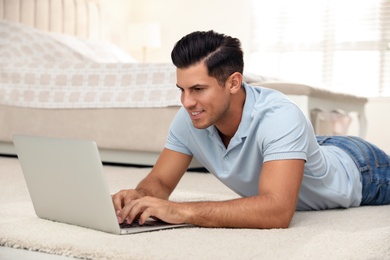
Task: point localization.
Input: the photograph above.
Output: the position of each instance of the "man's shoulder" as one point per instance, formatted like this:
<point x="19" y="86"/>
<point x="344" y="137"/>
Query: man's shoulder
<point x="263" y="94"/>
<point x="264" y="100"/>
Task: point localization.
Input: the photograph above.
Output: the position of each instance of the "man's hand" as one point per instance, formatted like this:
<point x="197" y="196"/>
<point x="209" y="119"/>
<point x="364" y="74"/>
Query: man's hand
<point x="151" y="207"/>
<point x="123" y="197"/>
<point x="156" y="187"/>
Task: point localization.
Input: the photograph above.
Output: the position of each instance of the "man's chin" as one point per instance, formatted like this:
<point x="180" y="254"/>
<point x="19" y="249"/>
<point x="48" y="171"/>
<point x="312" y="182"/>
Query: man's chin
<point x="198" y="125"/>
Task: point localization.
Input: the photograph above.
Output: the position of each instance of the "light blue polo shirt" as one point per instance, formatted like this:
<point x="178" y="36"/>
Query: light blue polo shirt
<point x="272" y="128"/>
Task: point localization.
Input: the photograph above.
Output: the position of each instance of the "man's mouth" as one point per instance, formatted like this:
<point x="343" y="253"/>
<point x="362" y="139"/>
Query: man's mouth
<point x="195" y="114"/>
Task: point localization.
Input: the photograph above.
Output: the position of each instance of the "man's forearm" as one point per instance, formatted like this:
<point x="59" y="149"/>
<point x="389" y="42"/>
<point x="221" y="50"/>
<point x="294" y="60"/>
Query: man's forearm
<point x="251" y="212"/>
<point x="152" y="186"/>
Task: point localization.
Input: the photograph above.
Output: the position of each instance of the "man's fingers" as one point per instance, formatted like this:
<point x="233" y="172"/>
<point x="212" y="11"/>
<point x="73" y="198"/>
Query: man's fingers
<point x="123" y="197"/>
<point x="145" y="215"/>
<point x="143" y="208"/>
<point x="117" y="200"/>
<point x="132" y="210"/>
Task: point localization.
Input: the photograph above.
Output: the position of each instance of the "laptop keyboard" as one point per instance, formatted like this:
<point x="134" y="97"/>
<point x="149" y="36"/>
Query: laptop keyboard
<point x="136" y="224"/>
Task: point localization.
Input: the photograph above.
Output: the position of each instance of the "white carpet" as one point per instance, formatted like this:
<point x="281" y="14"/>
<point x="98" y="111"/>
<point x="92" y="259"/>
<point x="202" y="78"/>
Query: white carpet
<point x="358" y="233"/>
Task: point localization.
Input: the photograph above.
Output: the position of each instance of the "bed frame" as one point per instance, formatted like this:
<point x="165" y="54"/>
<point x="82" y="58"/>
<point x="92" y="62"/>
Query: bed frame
<point x="81" y="18"/>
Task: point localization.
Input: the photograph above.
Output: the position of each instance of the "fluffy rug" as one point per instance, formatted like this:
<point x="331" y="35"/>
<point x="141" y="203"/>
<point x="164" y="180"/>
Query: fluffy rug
<point x="356" y="233"/>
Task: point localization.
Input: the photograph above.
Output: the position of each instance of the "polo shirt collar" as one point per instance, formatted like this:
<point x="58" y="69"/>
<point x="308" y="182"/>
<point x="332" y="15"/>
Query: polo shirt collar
<point x="247" y="115"/>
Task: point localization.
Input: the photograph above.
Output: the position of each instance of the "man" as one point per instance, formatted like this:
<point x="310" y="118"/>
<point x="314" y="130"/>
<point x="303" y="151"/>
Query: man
<point x="257" y="142"/>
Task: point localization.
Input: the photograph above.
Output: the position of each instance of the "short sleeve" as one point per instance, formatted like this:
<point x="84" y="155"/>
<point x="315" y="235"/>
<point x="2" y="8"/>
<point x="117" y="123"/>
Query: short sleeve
<point x="178" y="134"/>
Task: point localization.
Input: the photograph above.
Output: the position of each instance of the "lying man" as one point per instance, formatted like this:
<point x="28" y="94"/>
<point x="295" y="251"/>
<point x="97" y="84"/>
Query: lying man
<point x="254" y="140"/>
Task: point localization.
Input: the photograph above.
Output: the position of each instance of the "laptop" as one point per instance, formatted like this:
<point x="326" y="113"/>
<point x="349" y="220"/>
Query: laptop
<point x="67" y="184"/>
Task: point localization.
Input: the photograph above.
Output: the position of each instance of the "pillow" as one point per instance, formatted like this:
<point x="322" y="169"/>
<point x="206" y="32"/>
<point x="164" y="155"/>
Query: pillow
<point x="92" y="50"/>
<point x="24" y="43"/>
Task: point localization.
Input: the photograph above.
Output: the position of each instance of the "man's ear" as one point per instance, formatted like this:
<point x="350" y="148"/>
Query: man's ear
<point x="235" y="82"/>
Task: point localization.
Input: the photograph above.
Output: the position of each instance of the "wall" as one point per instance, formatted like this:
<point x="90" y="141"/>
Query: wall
<point x="116" y="16"/>
<point x="176" y="18"/>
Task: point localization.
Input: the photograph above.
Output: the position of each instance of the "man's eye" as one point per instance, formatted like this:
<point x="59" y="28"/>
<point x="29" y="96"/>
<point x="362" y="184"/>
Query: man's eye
<point x="198" y="89"/>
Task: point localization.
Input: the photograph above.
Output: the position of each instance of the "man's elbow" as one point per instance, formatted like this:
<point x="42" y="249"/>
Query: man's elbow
<point x="282" y="220"/>
<point x="274" y="222"/>
<point x="279" y="224"/>
<point x="284" y="224"/>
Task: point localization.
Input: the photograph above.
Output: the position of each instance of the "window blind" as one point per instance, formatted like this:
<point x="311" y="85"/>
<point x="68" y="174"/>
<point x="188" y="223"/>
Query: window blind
<point x="341" y="45"/>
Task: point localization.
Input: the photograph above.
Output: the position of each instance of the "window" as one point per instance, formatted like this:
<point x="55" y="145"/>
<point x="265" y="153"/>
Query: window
<point x="341" y="45"/>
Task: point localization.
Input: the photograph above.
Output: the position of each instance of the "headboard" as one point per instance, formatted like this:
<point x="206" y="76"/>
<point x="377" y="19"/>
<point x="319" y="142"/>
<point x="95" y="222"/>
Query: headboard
<point x="76" y="17"/>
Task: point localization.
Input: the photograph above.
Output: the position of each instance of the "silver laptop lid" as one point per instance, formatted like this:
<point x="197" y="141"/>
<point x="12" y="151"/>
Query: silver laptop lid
<point x="66" y="182"/>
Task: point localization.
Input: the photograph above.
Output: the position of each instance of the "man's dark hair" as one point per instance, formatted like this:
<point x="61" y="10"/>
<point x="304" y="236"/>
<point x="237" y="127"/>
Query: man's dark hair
<point x="222" y="54"/>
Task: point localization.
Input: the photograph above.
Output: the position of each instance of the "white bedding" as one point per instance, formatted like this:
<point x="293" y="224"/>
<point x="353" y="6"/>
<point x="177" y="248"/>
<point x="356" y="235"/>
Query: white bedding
<point x="45" y="70"/>
<point x="88" y="85"/>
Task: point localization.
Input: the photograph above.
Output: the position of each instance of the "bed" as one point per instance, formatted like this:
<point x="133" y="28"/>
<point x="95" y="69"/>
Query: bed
<point x="58" y="79"/>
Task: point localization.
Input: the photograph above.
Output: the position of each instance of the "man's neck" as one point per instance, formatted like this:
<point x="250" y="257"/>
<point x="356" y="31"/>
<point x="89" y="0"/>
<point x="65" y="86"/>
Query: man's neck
<point x="229" y="128"/>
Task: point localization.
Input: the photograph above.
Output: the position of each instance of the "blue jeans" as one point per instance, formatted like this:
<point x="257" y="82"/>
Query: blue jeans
<point x="373" y="164"/>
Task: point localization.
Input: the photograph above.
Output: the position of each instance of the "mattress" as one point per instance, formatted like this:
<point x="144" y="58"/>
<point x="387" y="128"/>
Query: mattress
<point x="123" y="135"/>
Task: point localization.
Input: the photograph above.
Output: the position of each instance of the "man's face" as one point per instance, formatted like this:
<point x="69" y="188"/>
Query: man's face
<point x="207" y="102"/>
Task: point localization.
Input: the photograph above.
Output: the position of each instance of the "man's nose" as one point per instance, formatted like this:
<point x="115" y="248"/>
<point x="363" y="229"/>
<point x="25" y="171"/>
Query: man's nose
<point x="187" y="100"/>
